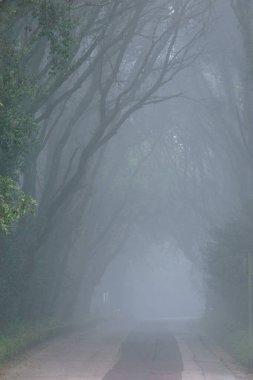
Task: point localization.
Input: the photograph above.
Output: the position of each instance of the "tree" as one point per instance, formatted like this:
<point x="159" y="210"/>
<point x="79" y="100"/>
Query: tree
<point x="121" y="55"/>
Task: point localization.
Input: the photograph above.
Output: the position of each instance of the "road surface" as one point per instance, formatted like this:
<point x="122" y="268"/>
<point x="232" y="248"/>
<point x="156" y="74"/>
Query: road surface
<point x="146" y="351"/>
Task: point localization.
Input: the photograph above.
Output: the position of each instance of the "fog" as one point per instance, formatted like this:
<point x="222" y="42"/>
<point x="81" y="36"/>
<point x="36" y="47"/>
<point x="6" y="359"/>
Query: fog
<point x="126" y="166"/>
<point x="162" y="286"/>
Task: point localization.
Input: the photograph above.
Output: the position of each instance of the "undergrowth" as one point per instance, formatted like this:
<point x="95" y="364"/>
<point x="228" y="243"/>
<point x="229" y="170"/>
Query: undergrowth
<point x="232" y="336"/>
<point x="20" y="336"/>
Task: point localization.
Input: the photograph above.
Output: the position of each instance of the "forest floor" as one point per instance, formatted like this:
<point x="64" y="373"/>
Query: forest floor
<point x="117" y="351"/>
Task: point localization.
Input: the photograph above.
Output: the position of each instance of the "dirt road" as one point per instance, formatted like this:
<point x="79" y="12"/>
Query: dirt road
<point x="146" y="351"/>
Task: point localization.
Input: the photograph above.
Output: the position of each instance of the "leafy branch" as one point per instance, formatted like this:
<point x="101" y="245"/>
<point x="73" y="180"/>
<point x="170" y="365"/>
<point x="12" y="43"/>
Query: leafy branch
<point x="14" y="203"/>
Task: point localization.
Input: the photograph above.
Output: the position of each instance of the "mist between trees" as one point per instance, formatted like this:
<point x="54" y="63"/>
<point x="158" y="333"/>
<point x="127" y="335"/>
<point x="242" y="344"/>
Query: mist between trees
<point x="123" y="119"/>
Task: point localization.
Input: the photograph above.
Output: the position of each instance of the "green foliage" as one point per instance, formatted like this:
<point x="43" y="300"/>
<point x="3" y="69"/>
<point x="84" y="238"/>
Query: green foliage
<point x="227" y="289"/>
<point x="56" y="25"/>
<point x="17" y="126"/>
<point x="14" y="203"/>
<point x="21" y="336"/>
<point x="232" y="336"/>
<point x="42" y="20"/>
<point x="226" y="264"/>
<point x="35" y="46"/>
<point x="237" y="342"/>
<point x="23" y="24"/>
<point x="17" y="132"/>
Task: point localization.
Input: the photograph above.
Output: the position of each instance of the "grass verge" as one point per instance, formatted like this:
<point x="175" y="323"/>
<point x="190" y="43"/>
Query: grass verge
<point x="21" y="336"/>
<point x="237" y="343"/>
<point x="232" y="337"/>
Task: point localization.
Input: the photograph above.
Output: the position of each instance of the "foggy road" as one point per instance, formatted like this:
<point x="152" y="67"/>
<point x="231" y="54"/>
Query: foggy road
<point x="150" y="351"/>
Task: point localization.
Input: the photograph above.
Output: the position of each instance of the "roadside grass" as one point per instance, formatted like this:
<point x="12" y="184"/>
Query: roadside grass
<point x="232" y="336"/>
<point x="21" y="336"/>
<point x="237" y="343"/>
